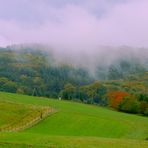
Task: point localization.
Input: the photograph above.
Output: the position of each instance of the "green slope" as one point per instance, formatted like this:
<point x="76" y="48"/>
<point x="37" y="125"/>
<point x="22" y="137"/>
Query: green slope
<point x="78" y="124"/>
<point x="25" y="140"/>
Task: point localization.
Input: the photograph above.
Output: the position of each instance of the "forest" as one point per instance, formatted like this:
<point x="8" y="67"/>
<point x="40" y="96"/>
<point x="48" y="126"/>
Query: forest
<point x="122" y="86"/>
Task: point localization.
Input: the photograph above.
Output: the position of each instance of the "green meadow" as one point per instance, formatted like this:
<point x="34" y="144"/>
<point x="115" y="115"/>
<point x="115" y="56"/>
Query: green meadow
<point x="72" y="125"/>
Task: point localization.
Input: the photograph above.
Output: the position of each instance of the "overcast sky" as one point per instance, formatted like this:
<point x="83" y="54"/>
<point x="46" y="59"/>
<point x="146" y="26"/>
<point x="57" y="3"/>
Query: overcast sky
<point x="77" y="24"/>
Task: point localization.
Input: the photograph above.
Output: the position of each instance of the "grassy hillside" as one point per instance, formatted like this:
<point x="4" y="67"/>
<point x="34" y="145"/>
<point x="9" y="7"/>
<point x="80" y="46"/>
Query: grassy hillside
<point x="25" y="140"/>
<point x="77" y="125"/>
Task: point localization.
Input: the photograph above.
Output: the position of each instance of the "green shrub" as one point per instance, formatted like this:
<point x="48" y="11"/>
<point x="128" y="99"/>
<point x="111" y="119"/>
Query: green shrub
<point x="129" y="105"/>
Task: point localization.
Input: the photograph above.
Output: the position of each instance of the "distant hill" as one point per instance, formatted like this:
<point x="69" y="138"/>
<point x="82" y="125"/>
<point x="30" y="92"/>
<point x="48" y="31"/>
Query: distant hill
<point x="38" y="70"/>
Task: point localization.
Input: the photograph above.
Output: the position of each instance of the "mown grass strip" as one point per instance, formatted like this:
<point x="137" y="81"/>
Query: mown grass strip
<point x="22" y="116"/>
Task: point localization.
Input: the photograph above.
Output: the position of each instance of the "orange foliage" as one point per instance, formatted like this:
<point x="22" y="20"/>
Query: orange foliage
<point x="115" y="97"/>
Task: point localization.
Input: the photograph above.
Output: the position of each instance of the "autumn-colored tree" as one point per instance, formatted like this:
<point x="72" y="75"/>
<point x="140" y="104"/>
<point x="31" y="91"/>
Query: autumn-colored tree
<point x="115" y="97"/>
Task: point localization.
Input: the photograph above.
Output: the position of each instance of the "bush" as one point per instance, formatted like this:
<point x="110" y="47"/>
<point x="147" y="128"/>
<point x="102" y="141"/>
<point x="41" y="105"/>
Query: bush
<point x="129" y="105"/>
<point x="143" y="107"/>
<point x="146" y="112"/>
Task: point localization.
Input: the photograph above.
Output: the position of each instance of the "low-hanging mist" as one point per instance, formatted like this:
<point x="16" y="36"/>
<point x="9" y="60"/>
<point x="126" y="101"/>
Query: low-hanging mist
<point x="97" y="61"/>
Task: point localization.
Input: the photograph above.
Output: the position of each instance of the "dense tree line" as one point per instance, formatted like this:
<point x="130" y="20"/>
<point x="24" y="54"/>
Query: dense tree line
<point x="36" y="73"/>
<point x="32" y="72"/>
<point x="93" y="93"/>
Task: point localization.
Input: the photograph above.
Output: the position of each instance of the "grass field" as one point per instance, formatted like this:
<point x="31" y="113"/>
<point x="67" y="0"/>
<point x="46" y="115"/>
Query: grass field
<point x="76" y="125"/>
